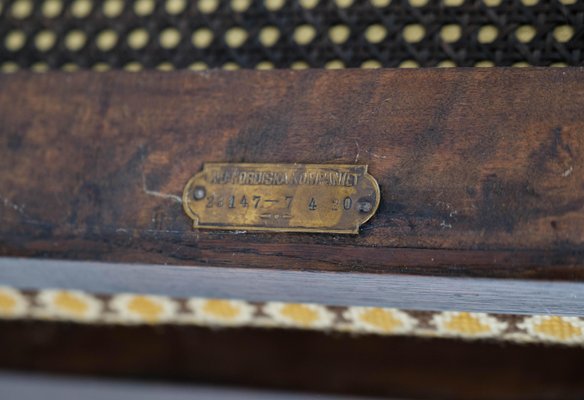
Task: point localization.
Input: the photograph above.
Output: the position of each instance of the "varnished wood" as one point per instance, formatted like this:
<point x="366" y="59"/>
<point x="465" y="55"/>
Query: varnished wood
<point x="302" y="361"/>
<point x="480" y="171"/>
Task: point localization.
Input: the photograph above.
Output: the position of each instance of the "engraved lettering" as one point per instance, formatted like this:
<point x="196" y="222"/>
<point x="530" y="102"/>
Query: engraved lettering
<point x="243" y="202"/>
<point x="347" y="203"/>
<point x="332" y="198"/>
<point x="312" y="178"/>
<point x="257" y="201"/>
<point x="312" y="204"/>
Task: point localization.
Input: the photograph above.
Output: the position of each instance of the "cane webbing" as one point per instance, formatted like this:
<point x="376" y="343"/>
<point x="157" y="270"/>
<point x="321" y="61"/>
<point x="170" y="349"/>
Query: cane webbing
<point x="71" y="34"/>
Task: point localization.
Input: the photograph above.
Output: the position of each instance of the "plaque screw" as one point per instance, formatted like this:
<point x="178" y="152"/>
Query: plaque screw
<point x="364" y="206"/>
<point x="199" y="193"/>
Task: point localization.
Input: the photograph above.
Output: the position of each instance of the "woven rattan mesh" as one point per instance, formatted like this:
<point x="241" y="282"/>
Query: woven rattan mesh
<point x="55" y="34"/>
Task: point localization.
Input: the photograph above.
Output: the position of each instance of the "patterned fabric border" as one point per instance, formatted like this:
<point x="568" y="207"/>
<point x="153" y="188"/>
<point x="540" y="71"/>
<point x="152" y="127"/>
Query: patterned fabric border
<point x="82" y="307"/>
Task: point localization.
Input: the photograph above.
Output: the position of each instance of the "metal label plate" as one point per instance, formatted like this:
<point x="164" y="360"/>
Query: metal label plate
<point x="329" y="198"/>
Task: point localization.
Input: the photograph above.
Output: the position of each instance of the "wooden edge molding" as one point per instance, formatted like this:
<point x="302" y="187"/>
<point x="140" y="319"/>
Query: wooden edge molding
<point x="127" y="294"/>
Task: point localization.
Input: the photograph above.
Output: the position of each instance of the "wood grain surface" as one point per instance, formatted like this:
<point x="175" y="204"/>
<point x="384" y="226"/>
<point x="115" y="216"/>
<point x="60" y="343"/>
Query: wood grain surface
<point x="303" y="361"/>
<point x="481" y="171"/>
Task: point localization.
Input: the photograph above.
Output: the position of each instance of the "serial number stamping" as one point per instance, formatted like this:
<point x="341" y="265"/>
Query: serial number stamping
<point x="282" y="197"/>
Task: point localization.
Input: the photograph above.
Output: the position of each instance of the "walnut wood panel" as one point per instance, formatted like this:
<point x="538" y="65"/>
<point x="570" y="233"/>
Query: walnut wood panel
<point x="480" y="171"/>
<point x="298" y="360"/>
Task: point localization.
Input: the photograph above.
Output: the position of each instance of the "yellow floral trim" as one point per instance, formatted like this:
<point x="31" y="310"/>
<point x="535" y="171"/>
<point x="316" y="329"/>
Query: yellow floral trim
<point x="137" y="308"/>
<point x="130" y="308"/>
<point x="12" y="303"/>
<point x="221" y="311"/>
<point x="380" y="320"/>
<point x="299" y="315"/>
<point x="71" y="305"/>
<point x="553" y="328"/>
<point x="467" y="324"/>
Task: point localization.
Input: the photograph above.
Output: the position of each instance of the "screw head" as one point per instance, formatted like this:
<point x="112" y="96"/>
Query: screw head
<point x="199" y="193"/>
<point x="364" y="206"/>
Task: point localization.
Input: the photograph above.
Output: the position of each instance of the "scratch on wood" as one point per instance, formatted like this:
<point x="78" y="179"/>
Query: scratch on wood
<point x="14" y="206"/>
<point x="372" y="154"/>
<point x="159" y="194"/>
<point x="154" y="193"/>
<point x="444" y="225"/>
<point x="20" y="210"/>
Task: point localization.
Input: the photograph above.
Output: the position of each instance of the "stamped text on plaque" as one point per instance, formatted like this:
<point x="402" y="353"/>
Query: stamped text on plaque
<point x="328" y="198"/>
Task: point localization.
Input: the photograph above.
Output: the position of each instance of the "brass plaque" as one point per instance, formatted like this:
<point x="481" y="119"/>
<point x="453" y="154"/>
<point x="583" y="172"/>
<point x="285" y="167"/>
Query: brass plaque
<point x="326" y="198"/>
